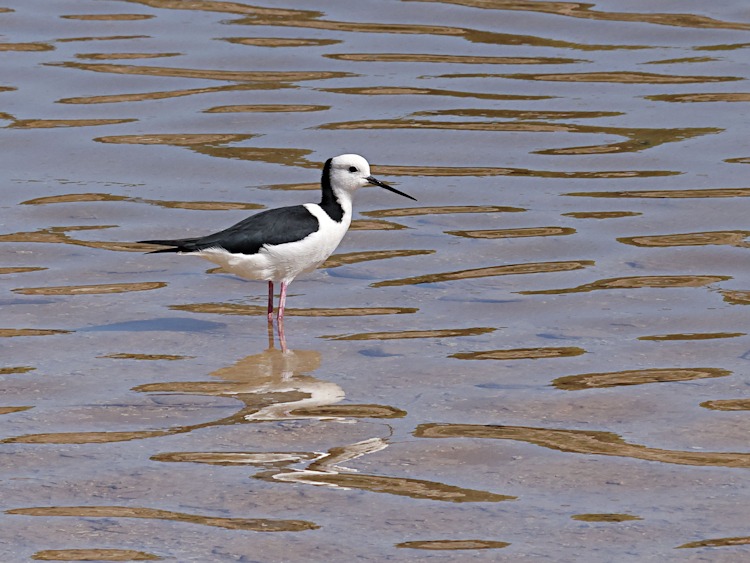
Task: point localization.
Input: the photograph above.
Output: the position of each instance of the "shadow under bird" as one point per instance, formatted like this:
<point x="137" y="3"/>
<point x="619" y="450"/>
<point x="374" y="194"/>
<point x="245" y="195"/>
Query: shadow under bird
<point x="277" y="245"/>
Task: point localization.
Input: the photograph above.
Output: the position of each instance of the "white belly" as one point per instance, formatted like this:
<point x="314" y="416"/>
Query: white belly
<point x="284" y="262"/>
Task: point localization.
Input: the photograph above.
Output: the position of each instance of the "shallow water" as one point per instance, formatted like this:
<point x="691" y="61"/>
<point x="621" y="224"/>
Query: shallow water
<point x="542" y="359"/>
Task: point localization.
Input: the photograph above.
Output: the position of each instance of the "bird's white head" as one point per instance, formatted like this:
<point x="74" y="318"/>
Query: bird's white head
<point x="347" y="173"/>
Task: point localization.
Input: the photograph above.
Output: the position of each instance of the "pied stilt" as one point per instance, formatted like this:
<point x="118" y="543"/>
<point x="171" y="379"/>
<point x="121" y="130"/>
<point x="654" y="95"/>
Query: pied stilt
<point x="277" y="245"/>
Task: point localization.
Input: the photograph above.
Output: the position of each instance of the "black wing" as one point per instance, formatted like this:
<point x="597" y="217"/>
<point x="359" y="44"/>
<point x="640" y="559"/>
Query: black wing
<point x="274" y="226"/>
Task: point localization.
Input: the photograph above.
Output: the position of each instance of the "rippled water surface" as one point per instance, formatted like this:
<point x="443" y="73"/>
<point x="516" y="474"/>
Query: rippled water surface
<point x="544" y="358"/>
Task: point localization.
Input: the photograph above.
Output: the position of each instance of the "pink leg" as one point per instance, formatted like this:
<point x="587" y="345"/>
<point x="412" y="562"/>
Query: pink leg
<point x="270" y="301"/>
<point x="282" y="300"/>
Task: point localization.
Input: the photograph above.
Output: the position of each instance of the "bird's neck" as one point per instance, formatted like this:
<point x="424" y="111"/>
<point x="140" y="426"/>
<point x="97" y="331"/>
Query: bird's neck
<point x="335" y="205"/>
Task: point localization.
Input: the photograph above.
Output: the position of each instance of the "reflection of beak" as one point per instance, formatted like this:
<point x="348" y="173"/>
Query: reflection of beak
<point x="375" y="182"/>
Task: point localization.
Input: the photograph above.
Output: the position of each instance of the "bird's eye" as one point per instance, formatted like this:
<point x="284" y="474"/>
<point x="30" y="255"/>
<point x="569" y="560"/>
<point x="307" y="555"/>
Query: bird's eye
<point x="352" y="169"/>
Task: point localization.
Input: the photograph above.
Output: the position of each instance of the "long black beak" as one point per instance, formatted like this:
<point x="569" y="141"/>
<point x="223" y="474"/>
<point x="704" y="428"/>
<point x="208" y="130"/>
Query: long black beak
<point x="375" y="182"/>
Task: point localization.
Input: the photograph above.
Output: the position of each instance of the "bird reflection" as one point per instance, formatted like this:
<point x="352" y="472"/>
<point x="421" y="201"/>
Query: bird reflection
<point x="279" y="373"/>
<point x="272" y="384"/>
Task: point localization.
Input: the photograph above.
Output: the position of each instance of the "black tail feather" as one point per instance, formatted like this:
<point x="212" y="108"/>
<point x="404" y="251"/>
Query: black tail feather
<point x="177" y="245"/>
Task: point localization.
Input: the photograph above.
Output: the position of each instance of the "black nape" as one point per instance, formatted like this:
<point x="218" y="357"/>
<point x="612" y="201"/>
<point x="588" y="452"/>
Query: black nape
<point x="329" y="202"/>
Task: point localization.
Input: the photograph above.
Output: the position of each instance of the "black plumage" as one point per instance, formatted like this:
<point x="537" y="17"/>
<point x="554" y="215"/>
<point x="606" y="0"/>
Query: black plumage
<point x="273" y="226"/>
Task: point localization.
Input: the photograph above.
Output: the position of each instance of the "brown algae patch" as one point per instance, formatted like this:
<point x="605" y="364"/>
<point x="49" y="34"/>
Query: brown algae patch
<point x="515" y="233"/>
<point x="266" y="108"/>
<point x="682" y="60"/>
<point x="58" y="235"/>
<point x="448" y="59"/>
<point x="622" y="78"/>
<point x="123" y="56"/>
<point x="635" y="282"/>
<point x="280" y="41"/>
<point x="11" y="332"/>
<point x="349" y="411"/>
<point x="511" y="269"/>
<point x="375" y="225"/>
<point x="453" y="545"/>
<point x="16" y="369"/>
<point x="605" y="517"/>
<point x="635" y="377"/>
<point x="601" y="214"/>
<point x="691" y="336"/>
<point x="90" y="289"/>
<point x="402" y="334"/>
<point x="443" y="210"/>
<point x="727" y="405"/>
<point x="102" y="38"/>
<point x="53" y="123"/>
<point x="192" y="205"/>
<point x="365" y="256"/>
<point x="108" y="17"/>
<point x="736" y="297"/>
<point x="410" y="91"/>
<point x="161" y="95"/>
<point x="718" y="542"/>
<point x="731" y="238"/>
<point x="399" y="486"/>
<point x="586" y="442"/>
<point x="721" y="47"/>
<point x="73" y="198"/>
<point x="201" y="205"/>
<point x="674" y="194"/>
<point x="149" y="357"/>
<point x="94" y="555"/>
<point x="89" y="437"/>
<point x="21" y="270"/>
<point x="26" y="47"/>
<point x="708" y="97"/>
<point x="536" y="115"/>
<point x="11" y="410"/>
<point x="175" y="139"/>
<point x="521" y="354"/>
<point x="251" y="524"/>
<point x="203" y="74"/>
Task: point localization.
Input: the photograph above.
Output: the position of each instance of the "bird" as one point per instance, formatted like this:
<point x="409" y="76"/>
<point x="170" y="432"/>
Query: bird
<point x="277" y="245"/>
